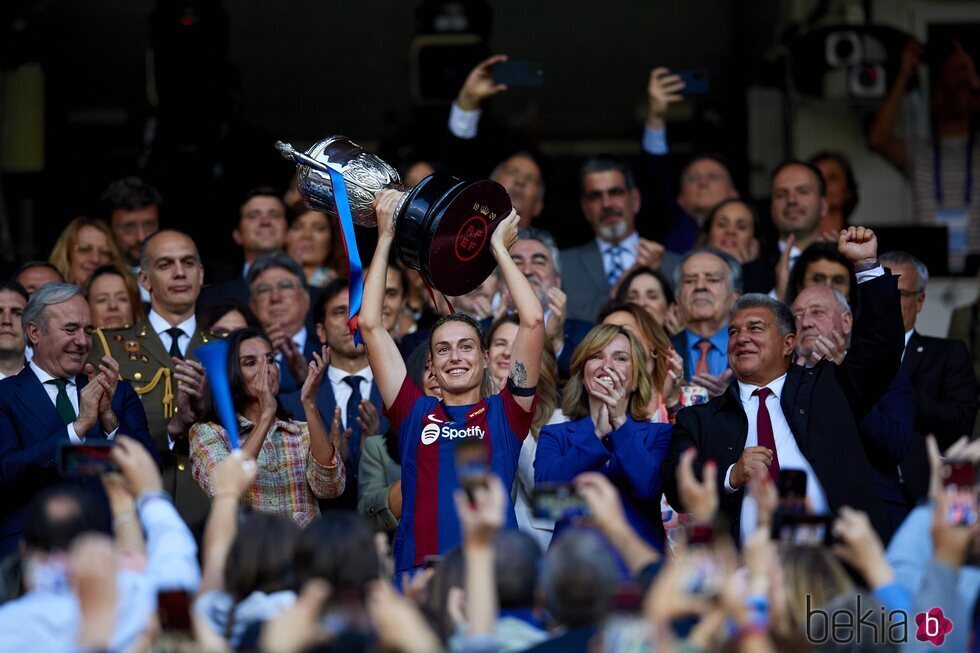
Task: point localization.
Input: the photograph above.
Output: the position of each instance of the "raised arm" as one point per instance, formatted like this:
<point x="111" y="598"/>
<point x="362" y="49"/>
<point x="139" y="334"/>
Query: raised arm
<point x="881" y="133"/>
<point x="383" y="355"/>
<point x="526" y="357"/>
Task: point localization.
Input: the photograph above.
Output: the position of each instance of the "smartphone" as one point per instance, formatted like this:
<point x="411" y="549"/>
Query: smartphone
<point x="791" y="485"/>
<point x="696" y="82"/>
<point x="174" y="610"/>
<point x="557" y="501"/>
<point x="89" y="459"/>
<point x="702" y="574"/>
<point x="518" y="73"/>
<point x="802" y="530"/>
<point x="472" y="464"/>
<point x="960" y="485"/>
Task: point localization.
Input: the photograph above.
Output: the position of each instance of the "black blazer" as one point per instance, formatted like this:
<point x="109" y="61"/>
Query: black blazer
<point x="945" y="401"/>
<point x="822" y="405"/>
<point x="31" y="435"/>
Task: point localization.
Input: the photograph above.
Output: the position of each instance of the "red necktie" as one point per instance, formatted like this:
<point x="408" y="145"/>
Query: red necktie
<point x="701" y="367"/>
<point x="764" y="431"/>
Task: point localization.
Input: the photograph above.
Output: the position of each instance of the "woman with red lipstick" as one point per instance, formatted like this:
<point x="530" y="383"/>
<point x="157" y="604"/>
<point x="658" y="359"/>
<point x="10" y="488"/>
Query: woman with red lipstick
<point x="606" y="400"/>
<point x="470" y="412"/>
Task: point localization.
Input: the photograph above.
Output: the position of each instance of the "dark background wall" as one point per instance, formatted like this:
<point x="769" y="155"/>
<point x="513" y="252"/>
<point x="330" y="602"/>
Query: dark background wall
<point x="299" y="71"/>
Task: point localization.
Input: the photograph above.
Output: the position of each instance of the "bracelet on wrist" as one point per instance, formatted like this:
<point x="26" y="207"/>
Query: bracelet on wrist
<point x="147" y="497"/>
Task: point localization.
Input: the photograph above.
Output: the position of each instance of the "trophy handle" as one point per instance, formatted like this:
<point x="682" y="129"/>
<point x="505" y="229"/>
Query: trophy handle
<point x="289" y="152"/>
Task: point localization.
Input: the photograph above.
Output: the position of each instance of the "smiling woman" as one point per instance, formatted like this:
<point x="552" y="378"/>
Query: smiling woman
<point x="429" y="429"/>
<point x="606" y="400"/>
<point x="84" y="245"/>
<point x="298" y="463"/>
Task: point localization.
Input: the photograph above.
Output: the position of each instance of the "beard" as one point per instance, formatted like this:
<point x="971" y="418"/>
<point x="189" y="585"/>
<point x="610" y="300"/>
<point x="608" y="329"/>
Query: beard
<point x="613" y="232"/>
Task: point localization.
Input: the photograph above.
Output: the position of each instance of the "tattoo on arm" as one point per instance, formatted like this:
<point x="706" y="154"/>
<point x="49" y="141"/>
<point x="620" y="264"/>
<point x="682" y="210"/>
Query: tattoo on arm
<point x="519" y="375"/>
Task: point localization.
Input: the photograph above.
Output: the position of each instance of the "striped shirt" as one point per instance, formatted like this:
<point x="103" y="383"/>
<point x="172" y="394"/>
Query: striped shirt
<point x="952" y="181"/>
<point x="289" y="480"/>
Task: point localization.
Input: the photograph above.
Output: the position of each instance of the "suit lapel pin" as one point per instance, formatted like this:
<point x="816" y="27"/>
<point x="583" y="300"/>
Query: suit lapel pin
<point x="919" y="349"/>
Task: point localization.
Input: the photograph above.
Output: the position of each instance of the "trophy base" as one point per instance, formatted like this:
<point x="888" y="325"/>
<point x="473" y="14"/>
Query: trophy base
<point x="443" y="228"/>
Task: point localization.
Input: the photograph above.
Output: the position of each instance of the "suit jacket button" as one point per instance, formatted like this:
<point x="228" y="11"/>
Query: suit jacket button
<point x="802" y="411"/>
<point x="181" y="466"/>
<point x="138" y="376"/>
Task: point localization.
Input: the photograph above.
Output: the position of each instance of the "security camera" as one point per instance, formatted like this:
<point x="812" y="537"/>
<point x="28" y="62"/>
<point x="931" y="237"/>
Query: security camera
<point x="843" y="49"/>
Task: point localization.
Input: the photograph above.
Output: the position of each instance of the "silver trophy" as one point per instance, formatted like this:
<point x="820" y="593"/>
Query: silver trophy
<point x="442" y="225"/>
<point x="365" y="174"/>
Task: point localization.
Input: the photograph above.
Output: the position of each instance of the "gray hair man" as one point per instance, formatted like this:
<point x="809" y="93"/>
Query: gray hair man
<point x="280" y="300"/>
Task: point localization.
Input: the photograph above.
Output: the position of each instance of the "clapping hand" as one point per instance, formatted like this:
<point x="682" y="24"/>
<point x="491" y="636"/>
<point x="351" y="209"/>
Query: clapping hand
<point x="314" y="376"/>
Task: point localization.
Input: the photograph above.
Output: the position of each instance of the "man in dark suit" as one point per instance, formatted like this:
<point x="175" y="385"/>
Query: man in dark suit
<point x="610" y="201"/>
<point x="261" y="229"/>
<point x="57" y="399"/>
<point x="349" y="386"/>
<point x="778" y="415"/>
<point x="154" y="356"/>
<point x="280" y="300"/>
<point x="707" y="284"/>
<point x="823" y="331"/>
<point x="940" y="370"/>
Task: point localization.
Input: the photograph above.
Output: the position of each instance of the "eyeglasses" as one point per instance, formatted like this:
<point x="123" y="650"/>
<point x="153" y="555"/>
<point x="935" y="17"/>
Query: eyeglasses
<point x="264" y="290"/>
<point x="87" y="250"/>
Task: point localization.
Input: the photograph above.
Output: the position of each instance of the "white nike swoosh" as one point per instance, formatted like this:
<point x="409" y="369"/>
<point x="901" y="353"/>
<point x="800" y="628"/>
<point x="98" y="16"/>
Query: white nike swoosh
<point x="433" y="418"/>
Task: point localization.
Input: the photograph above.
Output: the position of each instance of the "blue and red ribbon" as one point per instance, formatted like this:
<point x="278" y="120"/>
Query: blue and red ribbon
<point x="355" y="278"/>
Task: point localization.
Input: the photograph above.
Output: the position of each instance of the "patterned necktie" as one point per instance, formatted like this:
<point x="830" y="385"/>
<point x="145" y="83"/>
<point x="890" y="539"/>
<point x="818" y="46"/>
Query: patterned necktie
<point x="764" y="431"/>
<point x="65" y="410"/>
<point x="175" y="334"/>
<point x="615" y="254"/>
<point x="352" y="405"/>
<point x="701" y="366"/>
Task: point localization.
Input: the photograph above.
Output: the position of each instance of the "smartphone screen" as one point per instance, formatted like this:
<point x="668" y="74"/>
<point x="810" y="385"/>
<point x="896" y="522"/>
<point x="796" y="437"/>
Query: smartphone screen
<point x="803" y="530"/>
<point x="518" y="73"/>
<point x="472" y="464"/>
<point x="696" y="82"/>
<point x="960" y="484"/>
<point x="174" y="610"/>
<point x="558" y="501"/>
<point x="89" y="459"/>
<point x="792" y="490"/>
<point x="702" y="573"/>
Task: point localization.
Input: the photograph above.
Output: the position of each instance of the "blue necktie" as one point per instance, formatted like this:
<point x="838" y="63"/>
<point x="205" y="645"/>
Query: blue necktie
<point x="615" y="254"/>
<point x="352" y="405"/>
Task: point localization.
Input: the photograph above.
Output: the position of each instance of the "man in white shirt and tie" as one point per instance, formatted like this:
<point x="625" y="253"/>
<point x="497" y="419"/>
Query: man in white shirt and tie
<point x="778" y="415"/>
<point x="610" y="201"/>
<point x="58" y="399"/>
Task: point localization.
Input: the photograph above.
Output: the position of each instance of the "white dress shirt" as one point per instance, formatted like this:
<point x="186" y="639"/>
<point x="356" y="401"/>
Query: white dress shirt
<point x="342" y="391"/>
<point x="462" y="123"/>
<point x="627" y="258"/>
<point x="789" y="454"/>
<point x="908" y="336"/>
<point x="72" y="390"/>
<point x="160" y="325"/>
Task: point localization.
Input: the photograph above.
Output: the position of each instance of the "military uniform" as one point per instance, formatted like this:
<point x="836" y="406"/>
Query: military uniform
<point x="146" y="364"/>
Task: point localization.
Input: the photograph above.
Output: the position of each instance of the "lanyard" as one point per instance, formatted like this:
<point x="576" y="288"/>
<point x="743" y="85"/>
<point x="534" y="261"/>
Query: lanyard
<point x="937" y="171"/>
